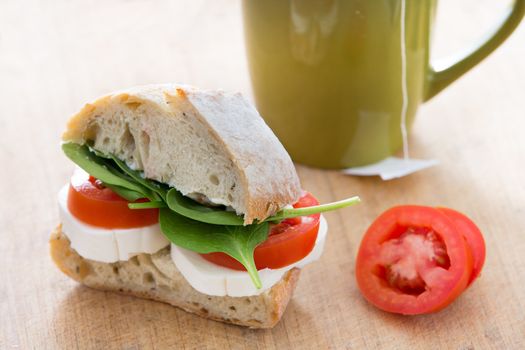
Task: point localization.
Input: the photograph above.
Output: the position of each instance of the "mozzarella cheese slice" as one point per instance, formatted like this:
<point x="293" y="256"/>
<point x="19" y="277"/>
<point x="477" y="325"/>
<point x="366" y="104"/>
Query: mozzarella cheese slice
<point x="212" y="279"/>
<point x="107" y="245"/>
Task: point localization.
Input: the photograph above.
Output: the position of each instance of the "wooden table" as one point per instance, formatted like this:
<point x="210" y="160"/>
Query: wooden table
<point x="57" y="55"/>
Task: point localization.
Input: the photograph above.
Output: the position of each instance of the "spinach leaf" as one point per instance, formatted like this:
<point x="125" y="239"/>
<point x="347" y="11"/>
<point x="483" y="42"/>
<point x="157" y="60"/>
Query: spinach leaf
<point x="218" y="216"/>
<point x="146" y="192"/>
<point x="99" y="168"/>
<point x="239" y="242"/>
<point x="191" y="209"/>
<point x="158" y="191"/>
<point x="125" y="193"/>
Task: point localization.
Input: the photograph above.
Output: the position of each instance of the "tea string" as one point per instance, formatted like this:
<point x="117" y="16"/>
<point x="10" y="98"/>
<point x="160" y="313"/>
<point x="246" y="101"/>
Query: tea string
<point x="404" y="89"/>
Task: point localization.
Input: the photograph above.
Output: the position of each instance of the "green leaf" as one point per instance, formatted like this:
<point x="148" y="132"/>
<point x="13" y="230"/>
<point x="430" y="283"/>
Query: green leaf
<point x="295" y="212"/>
<point x="157" y="190"/>
<point x="125" y="193"/>
<point x="239" y="242"/>
<point x="196" y="211"/>
<point x="99" y="168"/>
<point x="98" y="153"/>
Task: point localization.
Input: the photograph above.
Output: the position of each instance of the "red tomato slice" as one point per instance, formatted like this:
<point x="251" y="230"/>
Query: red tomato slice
<point x="474" y="239"/>
<point x="413" y="260"/>
<point x="288" y="242"/>
<point x="92" y="203"/>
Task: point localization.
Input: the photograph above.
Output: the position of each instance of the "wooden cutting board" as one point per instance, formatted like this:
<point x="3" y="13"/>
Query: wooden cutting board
<point x="57" y="55"/>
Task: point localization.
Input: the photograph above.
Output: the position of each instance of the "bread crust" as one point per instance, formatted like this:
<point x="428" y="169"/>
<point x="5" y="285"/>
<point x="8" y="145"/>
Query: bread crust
<point x="267" y="174"/>
<point x="170" y="286"/>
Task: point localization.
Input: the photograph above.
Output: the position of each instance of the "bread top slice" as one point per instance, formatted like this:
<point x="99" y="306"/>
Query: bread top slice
<point x="203" y="143"/>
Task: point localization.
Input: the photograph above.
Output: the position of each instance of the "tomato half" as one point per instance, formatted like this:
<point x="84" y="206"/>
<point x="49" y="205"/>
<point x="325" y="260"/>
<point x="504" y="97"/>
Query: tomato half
<point x="473" y="236"/>
<point x="288" y="242"/>
<point x="94" y="204"/>
<point x="413" y="260"/>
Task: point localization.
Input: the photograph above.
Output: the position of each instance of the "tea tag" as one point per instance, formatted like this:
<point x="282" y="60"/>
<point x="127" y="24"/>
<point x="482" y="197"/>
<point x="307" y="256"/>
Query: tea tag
<point x="392" y="167"/>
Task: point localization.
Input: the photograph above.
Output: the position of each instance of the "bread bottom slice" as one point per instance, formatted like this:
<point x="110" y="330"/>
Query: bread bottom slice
<point x="155" y="277"/>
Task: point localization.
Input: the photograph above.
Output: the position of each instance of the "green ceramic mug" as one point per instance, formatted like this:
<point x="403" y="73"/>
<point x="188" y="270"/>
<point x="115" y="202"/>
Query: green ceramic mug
<point x="335" y="80"/>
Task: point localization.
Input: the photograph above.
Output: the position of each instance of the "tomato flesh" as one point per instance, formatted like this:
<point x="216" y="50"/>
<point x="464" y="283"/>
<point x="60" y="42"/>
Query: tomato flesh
<point x="410" y="257"/>
<point x="413" y="260"/>
<point x="289" y="241"/>
<point x="92" y="203"/>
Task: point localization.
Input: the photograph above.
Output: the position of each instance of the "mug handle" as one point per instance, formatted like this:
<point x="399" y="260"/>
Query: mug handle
<point x="440" y="78"/>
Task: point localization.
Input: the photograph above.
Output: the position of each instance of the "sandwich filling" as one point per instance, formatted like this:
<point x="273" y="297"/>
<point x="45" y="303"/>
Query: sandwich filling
<point x="112" y="244"/>
<point x="217" y="234"/>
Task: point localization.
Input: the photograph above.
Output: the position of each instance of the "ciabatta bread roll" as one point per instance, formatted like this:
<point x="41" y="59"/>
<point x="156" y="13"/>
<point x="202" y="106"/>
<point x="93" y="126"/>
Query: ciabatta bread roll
<point x="211" y="146"/>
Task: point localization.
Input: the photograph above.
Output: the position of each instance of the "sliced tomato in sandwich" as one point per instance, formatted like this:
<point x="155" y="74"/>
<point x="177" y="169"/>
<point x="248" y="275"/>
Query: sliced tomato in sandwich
<point x="94" y="204"/>
<point x="288" y="242"/>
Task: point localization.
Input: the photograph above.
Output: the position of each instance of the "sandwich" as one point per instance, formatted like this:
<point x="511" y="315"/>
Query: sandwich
<point x="186" y="197"/>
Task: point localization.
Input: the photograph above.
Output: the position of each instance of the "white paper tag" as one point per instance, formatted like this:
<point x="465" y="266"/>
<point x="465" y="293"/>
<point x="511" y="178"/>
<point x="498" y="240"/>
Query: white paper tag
<point x="392" y="167"/>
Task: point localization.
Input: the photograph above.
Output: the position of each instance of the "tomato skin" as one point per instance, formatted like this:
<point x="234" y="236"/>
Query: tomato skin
<point x="288" y="242"/>
<point x="473" y="237"/>
<point x="444" y="285"/>
<point x="92" y="203"/>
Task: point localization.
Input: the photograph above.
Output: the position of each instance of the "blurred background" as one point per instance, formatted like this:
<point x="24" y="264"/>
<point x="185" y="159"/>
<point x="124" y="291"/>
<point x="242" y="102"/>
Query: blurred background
<point x="200" y="41"/>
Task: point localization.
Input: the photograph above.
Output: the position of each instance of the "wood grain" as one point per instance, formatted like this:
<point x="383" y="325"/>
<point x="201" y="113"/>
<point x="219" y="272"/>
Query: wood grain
<point x="57" y="55"/>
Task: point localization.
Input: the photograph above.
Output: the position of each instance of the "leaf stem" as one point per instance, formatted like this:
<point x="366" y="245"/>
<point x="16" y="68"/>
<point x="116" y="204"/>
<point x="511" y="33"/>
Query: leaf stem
<point x="252" y="271"/>
<point x="294" y="212"/>
<point x="147" y="205"/>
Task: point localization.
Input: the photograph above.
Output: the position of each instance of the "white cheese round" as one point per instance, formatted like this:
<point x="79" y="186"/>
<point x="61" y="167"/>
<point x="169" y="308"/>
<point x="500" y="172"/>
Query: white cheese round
<point x="212" y="279"/>
<point x="107" y="245"/>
